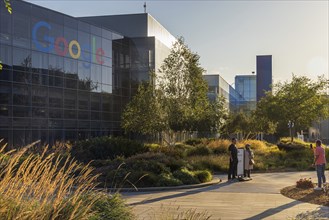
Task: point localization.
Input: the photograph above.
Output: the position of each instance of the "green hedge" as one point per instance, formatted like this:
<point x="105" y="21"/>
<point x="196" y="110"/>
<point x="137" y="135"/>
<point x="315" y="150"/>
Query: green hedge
<point x="102" y="148"/>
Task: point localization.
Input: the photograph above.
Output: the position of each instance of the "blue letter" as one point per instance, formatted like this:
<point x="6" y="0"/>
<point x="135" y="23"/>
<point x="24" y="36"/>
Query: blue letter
<point x="86" y="56"/>
<point x="46" y="38"/>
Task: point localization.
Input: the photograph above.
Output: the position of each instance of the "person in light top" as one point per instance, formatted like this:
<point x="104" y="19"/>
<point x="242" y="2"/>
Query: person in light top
<point x="320" y="164"/>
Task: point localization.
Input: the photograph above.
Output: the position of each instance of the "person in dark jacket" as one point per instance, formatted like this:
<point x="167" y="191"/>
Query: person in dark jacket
<point x="233" y="151"/>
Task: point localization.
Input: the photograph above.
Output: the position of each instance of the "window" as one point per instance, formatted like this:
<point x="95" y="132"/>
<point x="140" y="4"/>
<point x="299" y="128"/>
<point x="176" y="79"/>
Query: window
<point x="70" y="99"/>
<point x="22" y="60"/>
<point x="6" y="57"/>
<point x="56" y="65"/>
<point x="55" y="113"/>
<point x="39" y="62"/>
<point x="55" y="98"/>
<point x="39" y="112"/>
<point x="21" y="95"/>
<point x="83" y="100"/>
<point x="21" y="30"/>
<point x="95" y="103"/>
<point x="39" y="96"/>
<point x="83" y="115"/>
<point x="83" y="26"/>
<point x="5" y="26"/>
<point x="5" y="93"/>
<point x="70" y="114"/>
<point x="107" y="75"/>
<point x="70" y="68"/>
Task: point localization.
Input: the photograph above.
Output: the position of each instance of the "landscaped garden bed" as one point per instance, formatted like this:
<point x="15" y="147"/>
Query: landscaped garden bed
<point x="306" y="195"/>
<point x="124" y="163"/>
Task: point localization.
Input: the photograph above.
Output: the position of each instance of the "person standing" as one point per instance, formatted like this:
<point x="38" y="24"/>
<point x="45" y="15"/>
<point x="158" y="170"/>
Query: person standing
<point x="248" y="161"/>
<point x="320" y="164"/>
<point x="233" y="151"/>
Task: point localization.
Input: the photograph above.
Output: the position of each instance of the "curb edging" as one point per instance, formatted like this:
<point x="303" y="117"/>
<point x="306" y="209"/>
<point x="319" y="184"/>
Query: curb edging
<point x="167" y="188"/>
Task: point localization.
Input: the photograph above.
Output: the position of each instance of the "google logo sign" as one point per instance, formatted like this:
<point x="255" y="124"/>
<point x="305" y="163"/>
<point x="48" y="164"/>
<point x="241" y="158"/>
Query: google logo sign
<point x="54" y="44"/>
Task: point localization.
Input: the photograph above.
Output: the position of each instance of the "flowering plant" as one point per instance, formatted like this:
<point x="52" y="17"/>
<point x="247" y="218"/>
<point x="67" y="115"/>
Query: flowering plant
<point x="304" y="183"/>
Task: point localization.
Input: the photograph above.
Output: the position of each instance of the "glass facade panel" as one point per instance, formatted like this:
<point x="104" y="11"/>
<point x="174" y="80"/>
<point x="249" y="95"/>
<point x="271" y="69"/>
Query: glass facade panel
<point x="5" y="26"/>
<point x="21" y="30"/>
<point x="57" y="81"/>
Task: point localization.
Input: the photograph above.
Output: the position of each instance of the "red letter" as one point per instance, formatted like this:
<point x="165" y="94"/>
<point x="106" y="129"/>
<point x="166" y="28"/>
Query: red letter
<point x="58" y="49"/>
<point x="99" y="53"/>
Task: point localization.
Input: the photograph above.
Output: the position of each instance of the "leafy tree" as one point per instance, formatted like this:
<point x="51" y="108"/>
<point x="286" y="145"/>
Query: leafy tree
<point x="177" y="101"/>
<point x="301" y="101"/>
<point x="248" y="125"/>
<point x="144" y="114"/>
<point x="185" y="91"/>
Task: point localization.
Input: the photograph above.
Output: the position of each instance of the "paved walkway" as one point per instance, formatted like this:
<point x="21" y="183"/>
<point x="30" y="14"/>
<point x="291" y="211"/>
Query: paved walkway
<point x="259" y="198"/>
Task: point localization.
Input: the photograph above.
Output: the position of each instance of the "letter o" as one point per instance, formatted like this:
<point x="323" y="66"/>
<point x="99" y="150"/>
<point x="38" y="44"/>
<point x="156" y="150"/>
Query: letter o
<point x="74" y="42"/>
<point x="58" y="49"/>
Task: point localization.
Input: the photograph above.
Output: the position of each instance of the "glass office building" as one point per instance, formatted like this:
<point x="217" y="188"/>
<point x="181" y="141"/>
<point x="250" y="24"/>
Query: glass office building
<point x="245" y="85"/>
<point x="150" y="42"/>
<point x="218" y="86"/>
<point x="62" y="78"/>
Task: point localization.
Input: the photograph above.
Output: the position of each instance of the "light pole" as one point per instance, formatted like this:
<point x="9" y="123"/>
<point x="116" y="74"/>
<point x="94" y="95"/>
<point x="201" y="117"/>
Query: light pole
<point x="290" y="126"/>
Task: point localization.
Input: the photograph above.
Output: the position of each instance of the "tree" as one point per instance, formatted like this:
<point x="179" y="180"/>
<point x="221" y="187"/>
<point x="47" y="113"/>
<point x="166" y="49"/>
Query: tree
<point x="248" y="125"/>
<point x="177" y="101"/>
<point x="144" y="114"/>
<point x="300" y="101"/>
<point x="184" y="90"/>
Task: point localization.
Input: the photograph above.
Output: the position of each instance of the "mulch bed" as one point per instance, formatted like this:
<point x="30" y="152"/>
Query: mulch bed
<point x="306" y="195"/>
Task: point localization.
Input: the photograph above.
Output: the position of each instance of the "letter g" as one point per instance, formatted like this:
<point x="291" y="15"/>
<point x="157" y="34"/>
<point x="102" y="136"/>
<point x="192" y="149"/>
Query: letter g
<point x="48" y="39"/>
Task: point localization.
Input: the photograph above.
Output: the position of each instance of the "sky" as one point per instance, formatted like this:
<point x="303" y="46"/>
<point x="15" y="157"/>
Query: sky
<point x="229" y="34"/>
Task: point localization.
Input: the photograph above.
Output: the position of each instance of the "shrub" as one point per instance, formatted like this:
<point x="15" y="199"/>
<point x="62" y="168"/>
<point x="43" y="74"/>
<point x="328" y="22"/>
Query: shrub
<point x="219" y="146"/>
<point x="186" y="176"/>
<point x="152" y="147"/>
<point x="111" y="207"/>
<point x="176" y="152"/>
<point x="102" y="148"/>
<point x="304" y="183"/>
<point x="194" y="142"/>
<point x="199" y="150"/>
<point x="210" y="162"/>
<point x="203" y="175"/>
<point x="168" y="180"/>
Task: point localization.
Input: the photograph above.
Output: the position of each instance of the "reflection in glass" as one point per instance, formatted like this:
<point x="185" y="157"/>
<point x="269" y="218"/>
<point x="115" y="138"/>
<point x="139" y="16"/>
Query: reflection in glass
<point x="39" y="96"/>
<point x="5" y="27"/>
<point x="22" y="59"/>
<point x="83" y="100"/>
<point x="21" y="30"/>
<point x="56" y="65"/>
<point x="70" y="68"/>
<point x="56" y="98"/>
<point x="5" y="93"/>
<point x="39" y="112"/>
<point x="21" y="95"/>
<point x="70" y="99"/>
<point x="21" y="111"/>
<point x="55" y="113"/>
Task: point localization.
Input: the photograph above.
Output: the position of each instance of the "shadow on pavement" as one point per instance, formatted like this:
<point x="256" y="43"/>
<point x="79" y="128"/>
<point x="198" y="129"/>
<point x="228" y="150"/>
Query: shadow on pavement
<point x="273" y="211"/>
<point x="182" y="194"/>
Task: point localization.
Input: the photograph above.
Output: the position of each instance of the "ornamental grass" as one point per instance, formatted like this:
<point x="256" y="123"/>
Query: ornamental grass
<point x="44" y="186"/>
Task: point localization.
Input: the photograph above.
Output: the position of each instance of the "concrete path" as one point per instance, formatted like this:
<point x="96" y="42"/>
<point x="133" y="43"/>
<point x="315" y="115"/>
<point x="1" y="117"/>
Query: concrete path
<point x="259" y="198"/>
